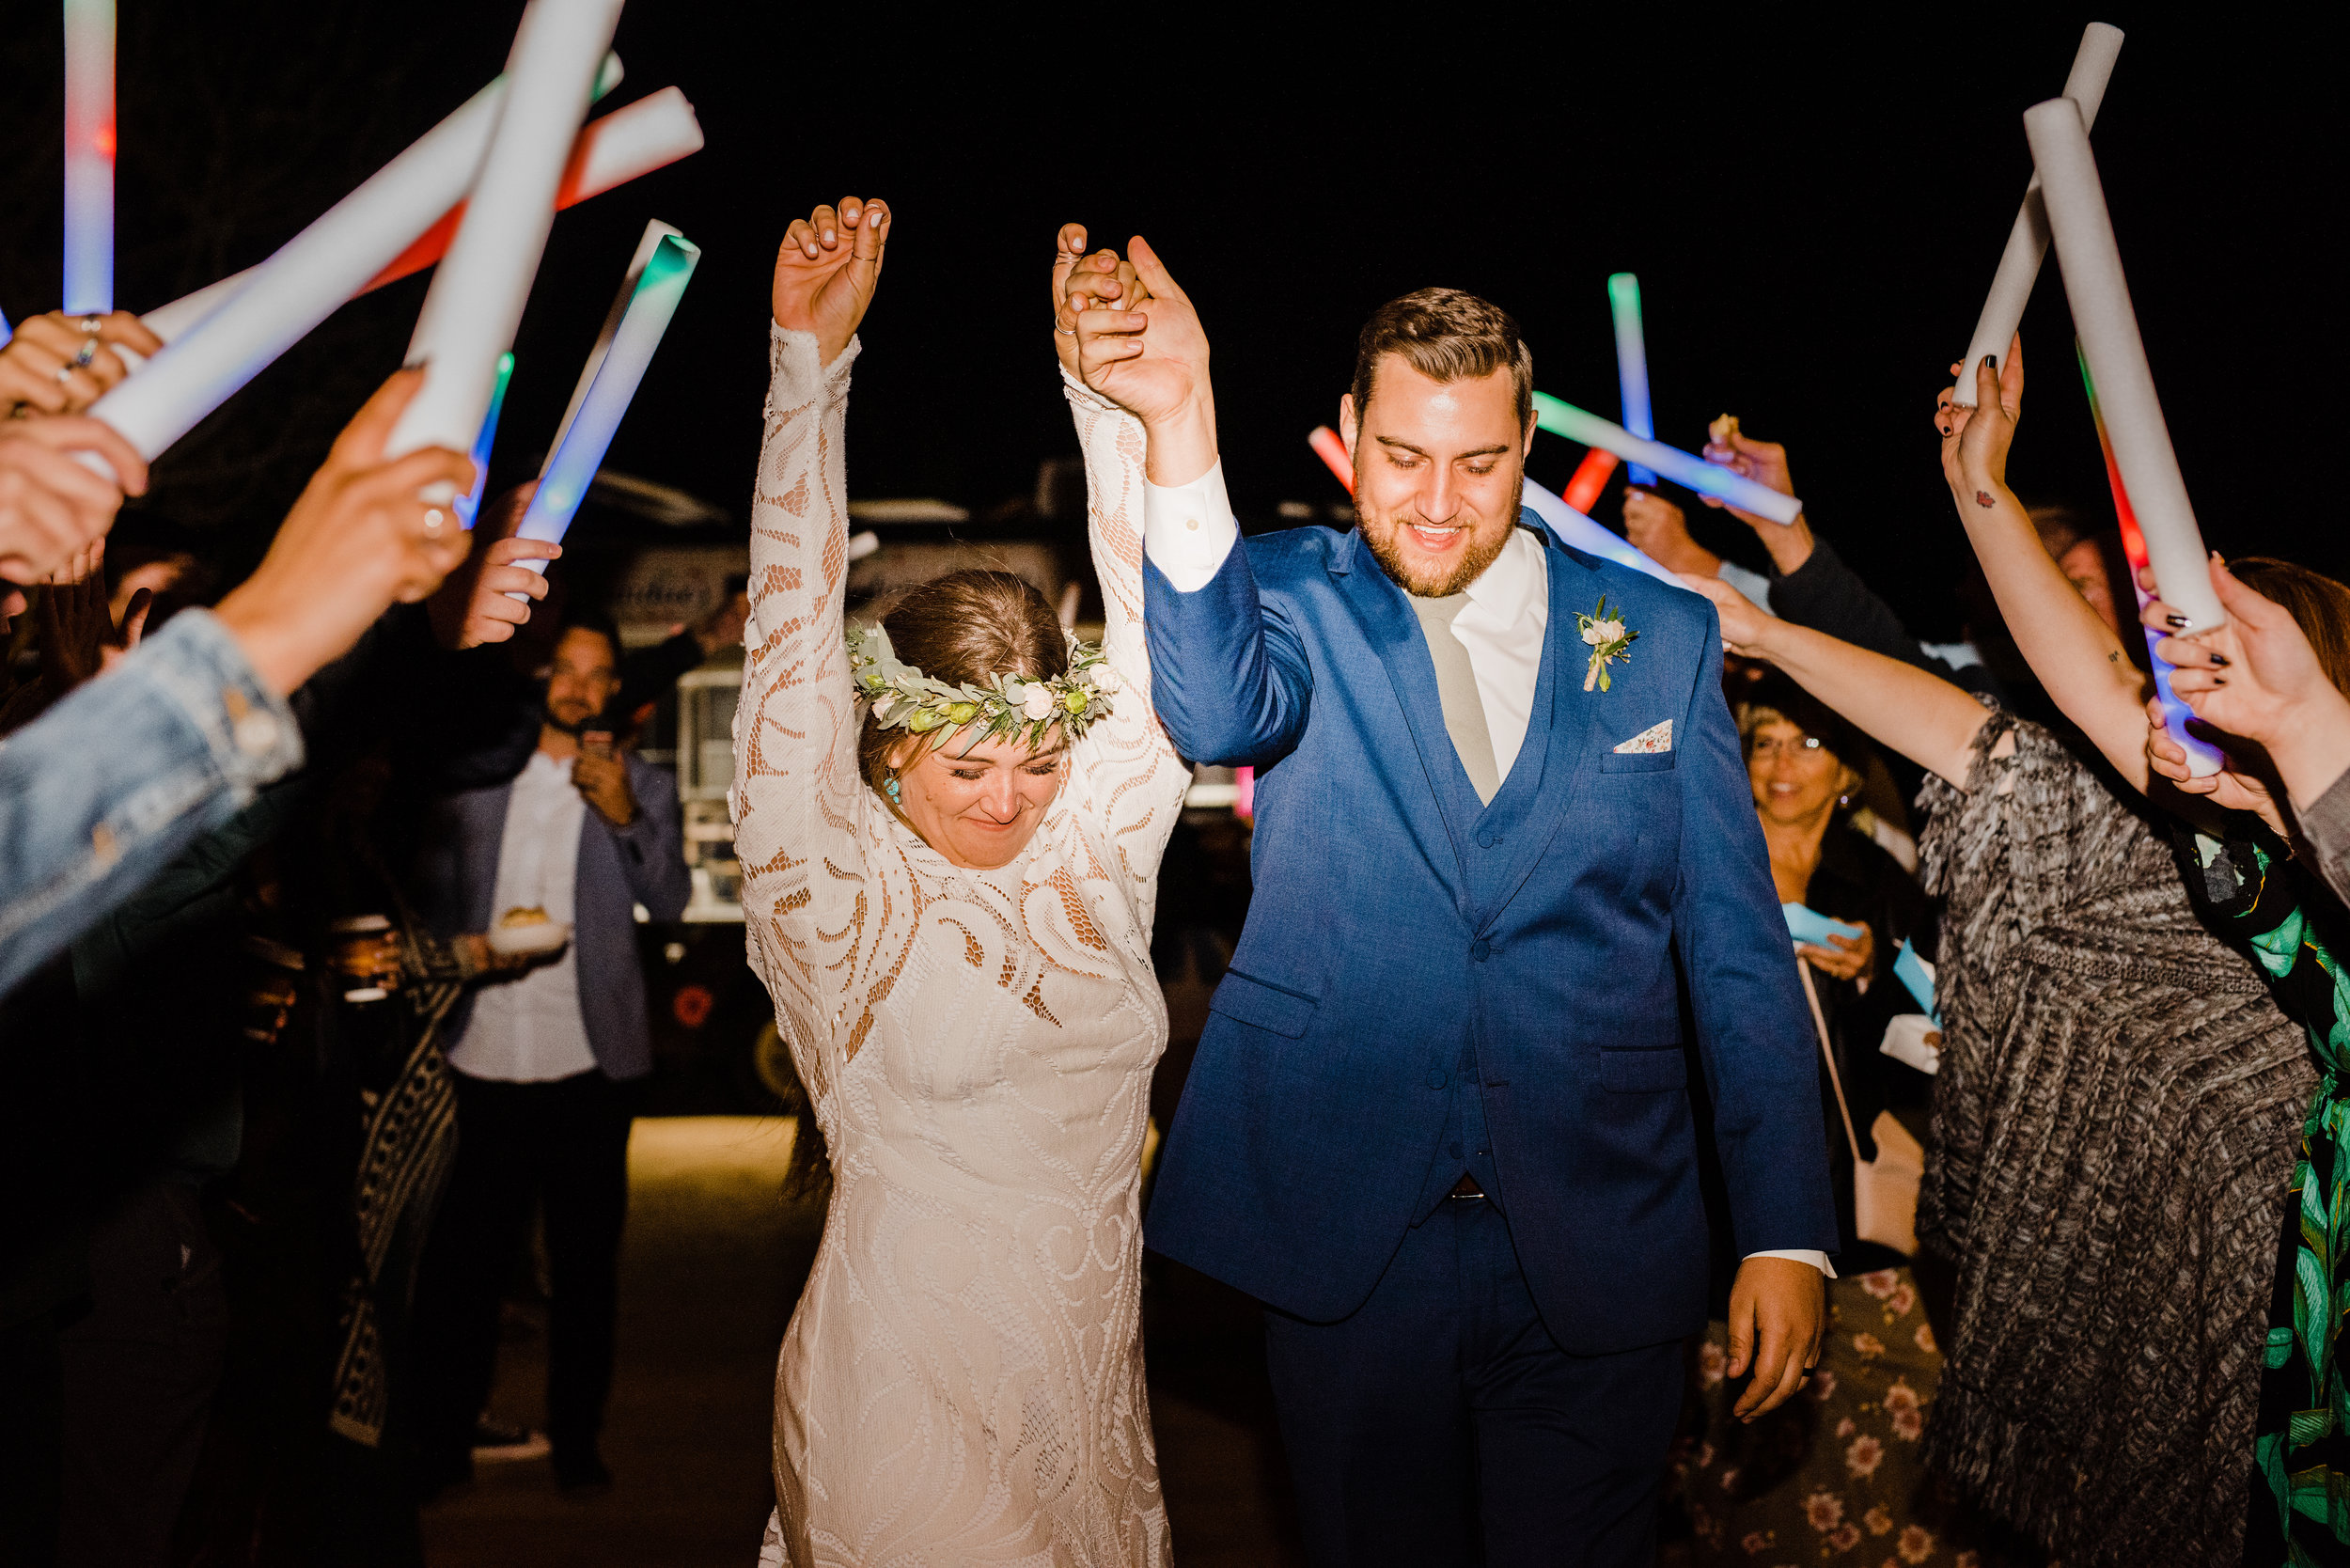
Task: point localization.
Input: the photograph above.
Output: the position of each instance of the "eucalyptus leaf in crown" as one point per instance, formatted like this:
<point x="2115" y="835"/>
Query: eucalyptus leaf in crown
<point x="1009" y="707"/>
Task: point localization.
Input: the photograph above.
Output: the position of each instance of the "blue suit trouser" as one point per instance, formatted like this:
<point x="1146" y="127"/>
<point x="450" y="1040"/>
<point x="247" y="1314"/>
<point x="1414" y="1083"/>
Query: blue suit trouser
<point x="1440" y="1423"/>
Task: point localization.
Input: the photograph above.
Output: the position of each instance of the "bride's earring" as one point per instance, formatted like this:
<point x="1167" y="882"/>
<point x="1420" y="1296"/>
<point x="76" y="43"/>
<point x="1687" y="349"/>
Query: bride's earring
<point x="889" y="788"/>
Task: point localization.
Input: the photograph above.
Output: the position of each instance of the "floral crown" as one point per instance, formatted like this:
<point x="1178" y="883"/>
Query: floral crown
<point x="1013" y="706"/>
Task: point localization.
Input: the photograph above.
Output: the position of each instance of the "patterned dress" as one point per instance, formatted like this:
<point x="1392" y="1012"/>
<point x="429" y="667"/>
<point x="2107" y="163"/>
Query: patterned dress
<point x="2301" y="1470"/>
<point x="961" y="1382"/>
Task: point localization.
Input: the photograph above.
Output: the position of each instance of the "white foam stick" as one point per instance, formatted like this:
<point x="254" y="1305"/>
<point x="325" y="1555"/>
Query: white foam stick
<point x="476" y="301"/>
<point x="630" y="141"/>
<point x="306" y="282"/>
<point x="646" y="245"/>
<point x="2106" y="324"/>
<point x="90" y="157"/>
<point x="1726" y="485"/>
<point x="1593" y="536"/>
<point x="2027" y="242"/>
<point x="617" y="368"/>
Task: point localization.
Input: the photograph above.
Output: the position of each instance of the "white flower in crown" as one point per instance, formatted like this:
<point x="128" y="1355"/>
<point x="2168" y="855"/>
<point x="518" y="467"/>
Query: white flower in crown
<point x="1105" y="681"/>
<point x="1037" y="702"/>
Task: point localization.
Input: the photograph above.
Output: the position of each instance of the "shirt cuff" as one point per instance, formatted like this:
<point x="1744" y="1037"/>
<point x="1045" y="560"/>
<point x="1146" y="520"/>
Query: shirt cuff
<point x="1798" y="1254"/>
<point x="1187" y="530"/>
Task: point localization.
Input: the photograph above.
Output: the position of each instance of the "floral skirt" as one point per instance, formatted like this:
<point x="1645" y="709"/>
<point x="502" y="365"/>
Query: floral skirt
<point x="1833" y="1475"/>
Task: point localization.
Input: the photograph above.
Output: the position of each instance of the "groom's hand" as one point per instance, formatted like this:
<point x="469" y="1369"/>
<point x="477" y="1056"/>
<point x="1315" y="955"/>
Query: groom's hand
<point x="1781" y="1303"/>
<point x="827" y="269"/>
<point x="1150" y="359"/>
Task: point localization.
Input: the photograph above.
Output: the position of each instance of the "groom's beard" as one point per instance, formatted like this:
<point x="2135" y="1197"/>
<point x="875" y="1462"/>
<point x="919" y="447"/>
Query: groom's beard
<point x="1427" y="580"/>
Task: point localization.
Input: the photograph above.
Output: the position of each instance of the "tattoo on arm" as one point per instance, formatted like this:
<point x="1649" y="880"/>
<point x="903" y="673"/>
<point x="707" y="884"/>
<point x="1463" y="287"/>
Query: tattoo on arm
<point x="1982" y="498"/>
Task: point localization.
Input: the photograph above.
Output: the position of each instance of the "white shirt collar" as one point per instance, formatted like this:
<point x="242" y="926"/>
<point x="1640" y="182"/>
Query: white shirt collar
<point x="1506" y="589"/>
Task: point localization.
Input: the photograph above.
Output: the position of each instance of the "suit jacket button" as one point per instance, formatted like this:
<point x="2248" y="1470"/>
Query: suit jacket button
<point x="1435" y="1078"/>
<point x="1487" y="841"/>
<point x="1480" y="950"/>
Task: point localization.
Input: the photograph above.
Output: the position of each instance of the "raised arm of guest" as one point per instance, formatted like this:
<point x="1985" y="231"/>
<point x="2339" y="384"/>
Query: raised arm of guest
<point x="2079" y="658"/>
<point x="1811" y="584"/>
<point x="116" y="780"/>
<point x="1924" y="717"/>
<point x="799" y="801"/>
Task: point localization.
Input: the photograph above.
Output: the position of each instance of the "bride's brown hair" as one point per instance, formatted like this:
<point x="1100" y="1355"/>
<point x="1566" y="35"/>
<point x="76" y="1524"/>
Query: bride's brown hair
<point x="962" y="629"/>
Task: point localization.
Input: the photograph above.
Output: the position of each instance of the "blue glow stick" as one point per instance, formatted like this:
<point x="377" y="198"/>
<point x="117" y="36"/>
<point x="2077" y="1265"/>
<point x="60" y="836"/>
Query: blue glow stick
<point x="1691" y="472"/>
<point x="612" y="379"/>
<point x="90" y="157"/>
<point x="1593" y="536"/>
<point x="468" y="507"/>
<point x="1623" y="298"/>
<point x="7" y="331"/>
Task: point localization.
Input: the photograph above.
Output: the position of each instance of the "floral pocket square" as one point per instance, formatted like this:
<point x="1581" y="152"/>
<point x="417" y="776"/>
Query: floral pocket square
<point x="1655" y="738"/>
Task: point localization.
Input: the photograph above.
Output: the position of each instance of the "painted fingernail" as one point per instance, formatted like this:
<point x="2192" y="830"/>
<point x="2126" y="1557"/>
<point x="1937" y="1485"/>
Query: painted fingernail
<point x="2179" y="621"/>
<point x="2223" y="661"/>
<point x="1991" y="362"/>
<point x="2218" y="680"/>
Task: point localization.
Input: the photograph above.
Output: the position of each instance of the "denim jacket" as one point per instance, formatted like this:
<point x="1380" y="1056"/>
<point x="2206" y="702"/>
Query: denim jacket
<point x="114" y="781"/>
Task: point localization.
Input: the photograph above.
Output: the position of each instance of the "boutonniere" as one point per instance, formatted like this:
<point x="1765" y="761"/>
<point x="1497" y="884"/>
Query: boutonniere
<point x="1608" y="639"/>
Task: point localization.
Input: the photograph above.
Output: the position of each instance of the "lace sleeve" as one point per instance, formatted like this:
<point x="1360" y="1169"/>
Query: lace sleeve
<point x="1133" y="780"/>
<point x="798" y="805"/>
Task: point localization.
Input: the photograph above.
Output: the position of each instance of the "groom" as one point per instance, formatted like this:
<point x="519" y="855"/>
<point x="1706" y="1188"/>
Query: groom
<point x="1510" y="894"/>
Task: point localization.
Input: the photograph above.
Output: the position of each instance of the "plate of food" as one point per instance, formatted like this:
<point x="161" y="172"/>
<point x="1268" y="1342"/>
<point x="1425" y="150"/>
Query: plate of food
<point x="528" y="930"/>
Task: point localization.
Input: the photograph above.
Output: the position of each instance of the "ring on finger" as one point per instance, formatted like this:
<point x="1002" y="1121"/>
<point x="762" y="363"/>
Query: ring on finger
<point x="64" y="373"/>
<point x="91" y="323"/>
<point x="432" y="521"/>
<point x="88" y="352"/>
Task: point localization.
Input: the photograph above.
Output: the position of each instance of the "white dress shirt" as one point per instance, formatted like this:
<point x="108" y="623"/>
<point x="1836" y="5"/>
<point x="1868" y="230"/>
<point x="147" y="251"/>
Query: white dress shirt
<point x="530" y="1029"/>
<point x="1189" y="529"/>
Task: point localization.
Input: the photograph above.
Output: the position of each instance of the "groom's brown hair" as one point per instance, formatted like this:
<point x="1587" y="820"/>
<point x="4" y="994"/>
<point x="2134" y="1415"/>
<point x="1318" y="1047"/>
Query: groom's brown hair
<point x="1445" y="334"/>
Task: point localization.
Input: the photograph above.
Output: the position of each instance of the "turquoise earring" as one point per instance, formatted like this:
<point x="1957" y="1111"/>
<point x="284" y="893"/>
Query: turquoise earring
<point x="889" y="788"/>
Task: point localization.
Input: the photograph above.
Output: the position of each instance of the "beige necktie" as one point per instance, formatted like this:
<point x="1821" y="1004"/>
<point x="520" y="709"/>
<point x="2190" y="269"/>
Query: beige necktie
<point x="1456" y="691"/>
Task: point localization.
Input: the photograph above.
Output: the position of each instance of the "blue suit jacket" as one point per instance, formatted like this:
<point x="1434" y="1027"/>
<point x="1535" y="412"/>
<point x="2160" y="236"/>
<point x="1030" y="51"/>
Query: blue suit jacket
<point x="618" y="868"/>
<point x="1552" y="935"/>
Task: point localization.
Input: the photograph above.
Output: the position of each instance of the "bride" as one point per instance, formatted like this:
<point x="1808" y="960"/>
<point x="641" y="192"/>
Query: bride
<point x="950" y="830"/>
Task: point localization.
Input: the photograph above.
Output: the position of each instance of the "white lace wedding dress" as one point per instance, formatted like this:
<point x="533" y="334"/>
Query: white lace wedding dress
<point x="962" y="1383"/>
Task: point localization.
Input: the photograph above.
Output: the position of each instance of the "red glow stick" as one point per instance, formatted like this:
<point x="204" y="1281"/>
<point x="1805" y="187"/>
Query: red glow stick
<point x="1590" y="479"/>
<point x="1330" y="449"/>
<point x="1244" y="794"/>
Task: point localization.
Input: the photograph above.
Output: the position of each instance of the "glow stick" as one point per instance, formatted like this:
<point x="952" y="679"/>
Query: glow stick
<point x="2116" y="359"/>
<point x="90" y="157"/>
<point x="1624" y="299"/>
<point x="469" y="506"/>
<point x="1693" y="473"/>
<point x="1589" y="478"/>
<point x="1331" y="450"/>
<point x="2027" y="242"/>
<point x="571" y="467"/>
<point x="1592" y="537"/>
<point x="476" y="301"/>
<point x="647" y="242"/>
<point x="2203" y="757"/>
<point x="1244" y="794"/>
<point x="7" y="331"/>
<point x="630" y="141"/>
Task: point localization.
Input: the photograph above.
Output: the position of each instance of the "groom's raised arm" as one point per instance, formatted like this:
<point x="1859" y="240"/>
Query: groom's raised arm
<point x="1229" y="677"/>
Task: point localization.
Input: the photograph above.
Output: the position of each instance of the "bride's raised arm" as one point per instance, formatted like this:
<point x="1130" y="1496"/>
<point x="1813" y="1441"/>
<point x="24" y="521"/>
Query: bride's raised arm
<point x="799" y="806"/>
<point x="1128" y="749"/>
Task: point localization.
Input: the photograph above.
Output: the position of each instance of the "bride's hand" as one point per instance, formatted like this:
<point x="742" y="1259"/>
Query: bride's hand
<point x="827" y="269"/>
<point x="1101" y="281"/>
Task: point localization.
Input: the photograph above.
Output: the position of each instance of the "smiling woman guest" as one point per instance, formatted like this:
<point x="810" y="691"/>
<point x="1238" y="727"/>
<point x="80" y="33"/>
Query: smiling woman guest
<point x="950" y="825"/>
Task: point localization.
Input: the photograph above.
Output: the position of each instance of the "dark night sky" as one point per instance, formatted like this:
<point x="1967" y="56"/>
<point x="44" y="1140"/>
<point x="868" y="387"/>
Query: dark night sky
<point x="1814" y="213"/>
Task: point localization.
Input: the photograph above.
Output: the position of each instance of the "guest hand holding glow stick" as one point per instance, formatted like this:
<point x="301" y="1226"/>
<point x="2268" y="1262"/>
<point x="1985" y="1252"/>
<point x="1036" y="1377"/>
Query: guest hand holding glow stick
<point x="477" y="297"/>
<point x="90" y="157"/>
<point x="608" y="384"/>
<point x="58" y="364"/>
<point x="1624" y="301"/>
<point x="2259" y="678"/>
<point x="485" y="603"/>
<point x="1692" y="473"/>
<point x="2028" y="240"/>
<point x="1765" y="463"/>
<point x="52" y="504"/>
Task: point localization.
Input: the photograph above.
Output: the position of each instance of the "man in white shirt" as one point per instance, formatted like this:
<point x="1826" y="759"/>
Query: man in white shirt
<point x="545" y="1063"/>
<point x="1509" y="890"/>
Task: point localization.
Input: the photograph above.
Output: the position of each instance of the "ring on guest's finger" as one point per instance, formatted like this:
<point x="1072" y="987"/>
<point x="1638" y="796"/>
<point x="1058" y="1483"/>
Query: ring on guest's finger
<point x="90" y="325"/>
<point x="89" y="352"/>
<point x="63" y="373"/>
<point x="432" y="523"/>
